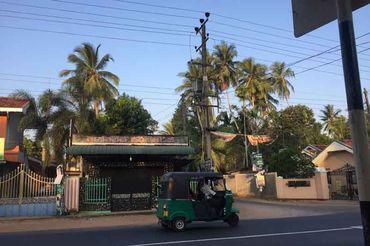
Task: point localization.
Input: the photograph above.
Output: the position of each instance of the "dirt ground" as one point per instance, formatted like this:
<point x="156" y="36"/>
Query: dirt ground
<point x="249" y="209"/>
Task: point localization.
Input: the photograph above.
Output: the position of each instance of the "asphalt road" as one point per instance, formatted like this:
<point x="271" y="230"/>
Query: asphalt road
<point x="262" y="223"/>
<point x="331" y="229"/>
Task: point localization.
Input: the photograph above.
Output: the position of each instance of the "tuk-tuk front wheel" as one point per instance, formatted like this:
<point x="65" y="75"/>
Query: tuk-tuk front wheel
<point x="179" y="224"/>
<point x="233" y="220"/>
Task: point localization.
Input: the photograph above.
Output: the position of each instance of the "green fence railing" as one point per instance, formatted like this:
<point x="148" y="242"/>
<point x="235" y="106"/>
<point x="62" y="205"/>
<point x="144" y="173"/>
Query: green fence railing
<point x="96" y="190"/>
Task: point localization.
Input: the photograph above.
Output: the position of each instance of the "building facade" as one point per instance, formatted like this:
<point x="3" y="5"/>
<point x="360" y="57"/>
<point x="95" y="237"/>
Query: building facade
<point x="338" y="160"/>
<point x="12" y="152"/>
<point x="132" y="166"/>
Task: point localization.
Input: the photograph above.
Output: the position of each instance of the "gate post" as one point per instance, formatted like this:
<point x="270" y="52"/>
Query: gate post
<point x="21" y="183"/>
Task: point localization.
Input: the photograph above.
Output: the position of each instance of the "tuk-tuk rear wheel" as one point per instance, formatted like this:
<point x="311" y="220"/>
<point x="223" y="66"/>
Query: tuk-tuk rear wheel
<point x="179" y="224"/>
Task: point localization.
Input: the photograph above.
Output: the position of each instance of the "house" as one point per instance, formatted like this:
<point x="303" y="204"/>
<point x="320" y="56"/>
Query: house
<point x="128" y="167"/>
<point x="338" y="160"/>
<point x="12" y="152"/>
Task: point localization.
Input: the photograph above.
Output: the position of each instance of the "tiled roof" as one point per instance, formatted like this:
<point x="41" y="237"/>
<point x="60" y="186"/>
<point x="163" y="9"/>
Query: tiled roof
<point x="347" y="142"/>
<point x="10" y="102"/>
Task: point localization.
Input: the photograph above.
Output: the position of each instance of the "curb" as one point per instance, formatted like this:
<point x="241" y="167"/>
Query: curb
<point x="85" y="214"/>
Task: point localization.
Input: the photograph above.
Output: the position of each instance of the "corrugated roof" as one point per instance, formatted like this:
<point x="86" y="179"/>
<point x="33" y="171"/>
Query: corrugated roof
<point x="129" y="150"/>
<point x="10" y="102"/>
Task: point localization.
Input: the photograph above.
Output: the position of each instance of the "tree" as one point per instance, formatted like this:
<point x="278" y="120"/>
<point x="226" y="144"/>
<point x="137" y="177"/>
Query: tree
<point x="49" y="117"/>
<point x="168" y="129"/>
<point x="224" y="66"/>
<point x="33" y="148"/>
<point x="254" y="86"/>
<point x="89" y="75"/>
<point x="279" y="76"/>
<point x="291" y="163"/>
<point x="294" y="127"/>
<point x="127" y="116"/>
<point x="329" y="117"/>
<point x="341" y="129"/>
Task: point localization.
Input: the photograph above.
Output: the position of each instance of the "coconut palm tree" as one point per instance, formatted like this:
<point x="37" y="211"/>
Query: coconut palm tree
<point x="49" y="117"/>
<point x="224" y="65"/>
<point x="280" y="74"/>
<point x="225" y="71"/>
<point x="254" y="85"/>
<point x="329" y="117"/>
<point x="98" y="84"/>
<point x="168" y="129"/>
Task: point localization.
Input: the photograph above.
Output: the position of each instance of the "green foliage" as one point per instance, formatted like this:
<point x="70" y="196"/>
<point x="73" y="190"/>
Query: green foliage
<point x="93" y="84"/>
<point x="295" y="127"/>
<point x="291" y="163"/>
<point x="341" y="129"/>
<point x="33" y="148"/>
<point x="127" y="116"/>
<point x="49" y="116"/>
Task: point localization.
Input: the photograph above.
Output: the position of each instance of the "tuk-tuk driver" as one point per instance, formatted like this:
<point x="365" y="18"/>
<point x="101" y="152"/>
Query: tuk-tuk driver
<point x="207" y="190"/>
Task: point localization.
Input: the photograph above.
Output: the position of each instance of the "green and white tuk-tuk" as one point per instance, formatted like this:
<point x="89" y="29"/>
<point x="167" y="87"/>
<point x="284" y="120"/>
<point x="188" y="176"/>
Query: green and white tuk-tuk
<point x="185" y="197"/>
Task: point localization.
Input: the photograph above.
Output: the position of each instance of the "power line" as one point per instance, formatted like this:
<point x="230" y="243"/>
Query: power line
<point x="178" y="34"/>
<point x="94" y="36"/>
<point x="328" y="63"/>
<point x="128" y="29"/>
<point x="269" y="34"/>
<point x="54" y="83"/>
<point x="233" y="96"/>
<point x="293" y="56"/>
<point x="95" y="14"/>
<point x="96" y="21"/>
<point x="93" y="25"/>
<point x="164" y="110"/>
<point x="222" y="16"/>
<point x="160" y="6"/>
<point x="91" y="20"/>
<point x="328" y="50"/>
<point x="214" y="33"/>
<point x="173" y="15"/>
<point x="101" y="6"/>
<point x="132" y="84"/>
<point x="125" y="9"/>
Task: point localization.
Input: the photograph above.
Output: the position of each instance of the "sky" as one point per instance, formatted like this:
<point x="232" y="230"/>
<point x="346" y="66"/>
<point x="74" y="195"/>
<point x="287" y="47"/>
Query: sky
<point x="151" y="48"/>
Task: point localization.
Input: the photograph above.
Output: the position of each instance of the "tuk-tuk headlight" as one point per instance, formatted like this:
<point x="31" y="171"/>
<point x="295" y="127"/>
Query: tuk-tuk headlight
<point x="165" y="211"/>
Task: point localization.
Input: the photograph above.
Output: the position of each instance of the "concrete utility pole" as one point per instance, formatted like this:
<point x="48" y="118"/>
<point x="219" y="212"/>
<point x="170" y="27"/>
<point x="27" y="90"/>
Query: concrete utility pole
<point x="356" y="111"/>
<point x="206" y="134"/>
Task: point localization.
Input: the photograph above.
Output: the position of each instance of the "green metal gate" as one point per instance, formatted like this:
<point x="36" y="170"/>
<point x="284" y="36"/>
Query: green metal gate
<point x="96" y="191"/>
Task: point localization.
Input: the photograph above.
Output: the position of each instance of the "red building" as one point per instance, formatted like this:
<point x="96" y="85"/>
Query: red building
<point x="12" y="152"/>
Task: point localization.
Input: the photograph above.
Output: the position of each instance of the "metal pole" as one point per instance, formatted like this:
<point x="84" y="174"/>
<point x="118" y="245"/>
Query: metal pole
<point x="245" y="137"/>
<point x="205" y="101"/>
<point x="356" y="111"/>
